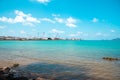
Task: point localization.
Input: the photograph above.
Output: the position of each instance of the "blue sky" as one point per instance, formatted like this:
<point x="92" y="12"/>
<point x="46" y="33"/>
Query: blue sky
<point x="86" y="19"/>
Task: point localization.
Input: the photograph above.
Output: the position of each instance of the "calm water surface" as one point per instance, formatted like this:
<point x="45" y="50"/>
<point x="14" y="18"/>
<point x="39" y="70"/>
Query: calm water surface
<point x="72" y="60"/>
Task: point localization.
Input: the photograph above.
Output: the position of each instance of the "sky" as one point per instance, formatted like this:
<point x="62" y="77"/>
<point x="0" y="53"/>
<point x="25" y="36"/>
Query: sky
<point x="85" y="19"/>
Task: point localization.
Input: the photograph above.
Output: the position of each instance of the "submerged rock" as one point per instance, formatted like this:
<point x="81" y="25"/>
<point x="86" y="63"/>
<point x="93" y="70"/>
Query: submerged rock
<point x="6" y="69"/>
<point x="15" y="65"/>
<point x="110" y="58"/>
<point x="21" y="78"/>
<point x="9" y="73"/>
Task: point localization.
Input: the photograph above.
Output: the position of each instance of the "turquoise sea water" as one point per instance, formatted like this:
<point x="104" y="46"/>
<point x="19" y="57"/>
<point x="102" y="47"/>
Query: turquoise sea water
<point x="62" y="49"/>
<point x="71" y="56"/>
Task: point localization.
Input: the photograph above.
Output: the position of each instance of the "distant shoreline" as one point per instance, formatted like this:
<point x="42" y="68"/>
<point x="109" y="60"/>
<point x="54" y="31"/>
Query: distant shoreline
<point x="10" y="38"/>
<point x="34" y="38"/>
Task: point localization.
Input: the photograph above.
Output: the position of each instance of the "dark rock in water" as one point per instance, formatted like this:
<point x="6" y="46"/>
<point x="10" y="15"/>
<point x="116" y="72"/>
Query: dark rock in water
<point x="15" y="65"/>
<point x="21" y="78"/>
<point x="6" y="70"/>
<point x="1" y="71"/>
<point x="10" y="77"/>
<point x="110" y="59"/>
<point x="8" y="73"/>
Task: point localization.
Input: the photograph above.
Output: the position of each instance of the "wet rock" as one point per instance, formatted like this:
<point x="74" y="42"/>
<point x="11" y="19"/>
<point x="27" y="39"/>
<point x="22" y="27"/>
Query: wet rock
<point x="1" y="72"/>
<point x="10" y="73"/>
<point x="39" y="78"/>
<point x="21" y="78"/>
<point x="110" y="58"/>
<point x="6" y="69"/>
<point x="15" y="66"/>
<point x="10" y="77"/>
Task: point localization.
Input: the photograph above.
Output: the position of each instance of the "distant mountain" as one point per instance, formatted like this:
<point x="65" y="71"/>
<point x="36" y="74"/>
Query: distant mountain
<point x="116" y="39"/>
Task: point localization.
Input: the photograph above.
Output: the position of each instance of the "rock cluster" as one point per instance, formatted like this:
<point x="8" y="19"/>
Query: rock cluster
<point x="110" y="59"/>
<point x="9" y="73"/>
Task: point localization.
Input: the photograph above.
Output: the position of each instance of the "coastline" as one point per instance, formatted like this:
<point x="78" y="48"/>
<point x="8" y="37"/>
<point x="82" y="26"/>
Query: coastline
<point x="95" y="70"/>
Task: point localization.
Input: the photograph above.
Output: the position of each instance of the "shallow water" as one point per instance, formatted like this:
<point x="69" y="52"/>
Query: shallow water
<point x="72" y="60"/>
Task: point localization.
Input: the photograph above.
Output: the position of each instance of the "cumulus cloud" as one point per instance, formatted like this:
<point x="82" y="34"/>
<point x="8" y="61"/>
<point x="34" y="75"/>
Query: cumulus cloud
<point x="59" y="20"/>
<point x="5" y="19"/>
<point x="21" y="17"/>
<point x="56" y="31"/>
<point x="70" y="22"/>
<point x="43" y="1"/>
<point x="47" y="20"/>
<point x="28" y="19"/>
<point x="95" y="20"/>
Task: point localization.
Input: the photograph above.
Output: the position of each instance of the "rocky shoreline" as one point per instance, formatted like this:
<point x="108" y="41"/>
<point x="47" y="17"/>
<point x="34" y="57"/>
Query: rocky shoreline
<point x="11" y="73"/>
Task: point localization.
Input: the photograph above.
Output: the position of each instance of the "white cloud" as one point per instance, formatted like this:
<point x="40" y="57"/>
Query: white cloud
<point x="95" y="20"/>
<point x="47" y="20"/>
<point x="43" y="1"/>
<point x="56" y="31"/>
<point x="22" y="32"/>
<point x="20" y="13"/>
<point x="2" y="27"/>
<point x="21" y="18"/>
<point x="59" y="20"/>
<point x="18" y="19"/>
<point x="32" y="19"/>
<point x="5" y="19"/>
<point x="70" y="22"/>
<point x="112" y="31"/>
<point x="27" y="19"/>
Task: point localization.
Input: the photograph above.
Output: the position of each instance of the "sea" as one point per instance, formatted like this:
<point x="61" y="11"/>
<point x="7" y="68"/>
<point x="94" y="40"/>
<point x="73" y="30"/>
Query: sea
<point x="66" y="59"/>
